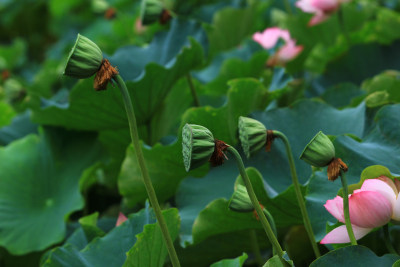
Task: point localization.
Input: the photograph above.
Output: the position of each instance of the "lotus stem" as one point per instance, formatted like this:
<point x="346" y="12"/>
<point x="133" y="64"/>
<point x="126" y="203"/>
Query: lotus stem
<point x="266" y="225"/>
<point x="299" y="195"/>
<point x="146" y="178"/>
<point x="353" y="240"/>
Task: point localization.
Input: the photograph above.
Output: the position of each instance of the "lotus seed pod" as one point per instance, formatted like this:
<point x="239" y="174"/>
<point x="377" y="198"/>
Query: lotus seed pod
<point x="197" y="145"/>
<point x="240" y="200"/>
<point x="252" y="135"/>
<point x="150" y="11"/>
<point x="84" y="60"/>
<point x="319" y="152"/>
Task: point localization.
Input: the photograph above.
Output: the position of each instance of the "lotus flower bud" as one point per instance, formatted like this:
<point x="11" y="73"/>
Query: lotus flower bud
<point x="151" y="11"/>
<point x="197" y="145"/>
<point x="84" y="59"/>
<point x="240" y="200"/>
<point x="252" y="134"/>
<point x="319" y="152"/>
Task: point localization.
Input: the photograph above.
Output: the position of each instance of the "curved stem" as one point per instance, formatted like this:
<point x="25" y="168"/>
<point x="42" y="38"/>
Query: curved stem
<point x="386" y="238"/>
<point x="267" y="227"/>
<point x="193" y="90"/>
<point x="346" y="208"/>
<point x="146" y="178"/>
<point x="273" y="226"/>
<point x="255" y="247"/>
<point x="299" y="195"/>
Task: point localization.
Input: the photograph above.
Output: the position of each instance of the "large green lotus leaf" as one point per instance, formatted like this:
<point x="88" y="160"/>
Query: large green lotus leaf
<point x="12" y="55"/>
<point x="225" y="61"/>
<point x="112" y="247"/>
<point x="230" y="26"/>
<point x="244" y="96"/>
<point x="39" y="187"/>
<point x="194" y="194"/>
<point x="319" y="190"/>
<point x="300" y="122"/>
<point x="380" y="146"/>
<point x="20" y="126"/>
<point x="342" y="95"/>
<point x="357" y="256"/>
<point x="222" y="247"/>
<point x="90" y="110"/>
<point x="234" y="68"/>
<point x="218" y="219"/>
<point x="149" y="249"/>
<point x="165" y="167"/>
<point x="382" y="89"/>
<point x="6" y="114"/>
<point x="237" y="262"/>
<point x="166" y="171"/>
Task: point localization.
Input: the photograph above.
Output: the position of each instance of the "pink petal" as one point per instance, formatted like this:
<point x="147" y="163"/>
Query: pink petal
<point x="325" y="5"/>
<point x="396" y="210"/>
<point x="318" y="18"/>
<point x="289" y="51"/>
<point x="384" y="187"/>
<point x="335" y="207"/>
<point x="369" y="209"/>
<point x="270" y="37"/>
<point x="121" y="219"/>
<point x="339" y="235"/>
<point x="306" y="6"/>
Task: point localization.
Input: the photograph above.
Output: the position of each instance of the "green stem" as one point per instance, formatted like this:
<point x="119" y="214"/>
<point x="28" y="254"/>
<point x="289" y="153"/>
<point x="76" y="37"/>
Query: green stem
<point x="193" y="90"/>
<point x="346" y="208"/>
<point x="273" y="226"/>
<point x="256" y="248"/>
<point x="267" y="227"/>
<point x="146" y="178"/>
<point x="287" y="7"/>
<point x="388" y="243"/>
<point x="299" y="195"/>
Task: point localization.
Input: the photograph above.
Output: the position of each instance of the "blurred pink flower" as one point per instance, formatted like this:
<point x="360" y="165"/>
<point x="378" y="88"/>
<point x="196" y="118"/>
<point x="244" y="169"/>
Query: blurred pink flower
<point x="270" y="37"/>
<point x="121" y="219"/>
<point x="321" y="9"/>
<point x="374" y="205"/>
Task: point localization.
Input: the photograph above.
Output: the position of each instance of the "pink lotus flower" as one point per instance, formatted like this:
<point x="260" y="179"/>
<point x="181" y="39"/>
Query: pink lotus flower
<point x="374" y="205"/>
<point x="321" y="9"/>
<point x="121" y="218"/>
<point x="270" y="37"/>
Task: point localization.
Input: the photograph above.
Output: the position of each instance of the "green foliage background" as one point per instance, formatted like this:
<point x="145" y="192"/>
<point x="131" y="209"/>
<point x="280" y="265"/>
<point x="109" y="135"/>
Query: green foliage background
<point x="67" y="167"/>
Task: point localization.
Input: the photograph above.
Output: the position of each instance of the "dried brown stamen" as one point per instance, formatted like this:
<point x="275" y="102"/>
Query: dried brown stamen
<point x="334" y="168"/>
<point x="104" y="75"/>
<point x="5" y="74"/>
<point x="110" y="13"/>
<point x="270" y="139"/>
<point x="165" y="16"/>
<point x="255" y="214"/>
<point x="218" y="156"/>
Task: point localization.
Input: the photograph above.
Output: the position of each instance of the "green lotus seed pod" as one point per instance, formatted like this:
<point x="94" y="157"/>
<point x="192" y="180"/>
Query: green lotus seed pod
<point x="252" y="135"/>
<point x="240" y="200"/>
<point x="150" y="11"/>
<point x="84" y="60"/>
<point x="319" y="152"/>
<point x="197" y="145"/>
